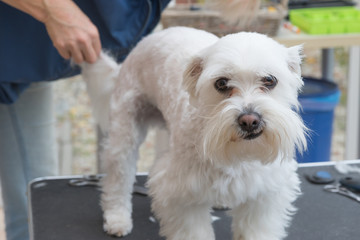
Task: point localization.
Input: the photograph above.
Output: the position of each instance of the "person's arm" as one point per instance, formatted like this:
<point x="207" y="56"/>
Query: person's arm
<point x="71" y="31"/>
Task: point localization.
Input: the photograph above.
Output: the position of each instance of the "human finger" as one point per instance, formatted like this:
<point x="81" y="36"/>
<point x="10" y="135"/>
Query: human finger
<point x="76" y="54"/>
<point x="88" y="52"/>
<point x="97" y="46"/>
<point x="66" y="54"/>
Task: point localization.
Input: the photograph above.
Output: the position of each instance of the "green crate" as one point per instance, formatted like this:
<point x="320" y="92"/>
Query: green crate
<point x="331" y="20"/>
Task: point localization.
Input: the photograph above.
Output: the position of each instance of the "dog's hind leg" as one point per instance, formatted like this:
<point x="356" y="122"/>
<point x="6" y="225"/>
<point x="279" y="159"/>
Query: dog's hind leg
<point x="126" y="133"/>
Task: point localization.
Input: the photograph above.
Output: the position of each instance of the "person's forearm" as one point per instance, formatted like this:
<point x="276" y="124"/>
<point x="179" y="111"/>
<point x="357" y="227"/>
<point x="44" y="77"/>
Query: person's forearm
<point x="36" y="8"/>
<point x="42" y="10"/>
<point x="71" y="31"/>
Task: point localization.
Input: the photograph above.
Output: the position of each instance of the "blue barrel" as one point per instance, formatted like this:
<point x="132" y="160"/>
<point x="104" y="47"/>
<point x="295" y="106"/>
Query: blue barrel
<point x="318" y="100"/>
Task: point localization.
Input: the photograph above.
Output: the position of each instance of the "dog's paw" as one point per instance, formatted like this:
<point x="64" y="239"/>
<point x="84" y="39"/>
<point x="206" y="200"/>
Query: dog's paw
<point x="118" y="223"/>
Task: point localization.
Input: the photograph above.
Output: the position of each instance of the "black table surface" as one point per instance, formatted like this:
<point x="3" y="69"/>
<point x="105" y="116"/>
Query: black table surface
<point x="59" y="211"/>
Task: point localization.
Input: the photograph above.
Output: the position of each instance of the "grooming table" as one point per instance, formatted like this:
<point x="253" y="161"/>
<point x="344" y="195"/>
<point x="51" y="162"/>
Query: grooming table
<point x="59" y="211"/>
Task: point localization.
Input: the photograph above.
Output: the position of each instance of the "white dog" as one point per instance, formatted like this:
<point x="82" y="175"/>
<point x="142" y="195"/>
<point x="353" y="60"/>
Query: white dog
<point x="230" y="107"/>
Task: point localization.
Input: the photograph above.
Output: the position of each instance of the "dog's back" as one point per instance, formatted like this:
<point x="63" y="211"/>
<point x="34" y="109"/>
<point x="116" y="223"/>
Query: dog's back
<point x="166" y="50"/>
<point x="170" y="56"/>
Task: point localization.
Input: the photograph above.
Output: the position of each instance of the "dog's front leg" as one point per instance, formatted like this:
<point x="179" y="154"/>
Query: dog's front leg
<point x="181" y="216"/>
<point x="264" y="218"/>
<point x="185" y="223"/>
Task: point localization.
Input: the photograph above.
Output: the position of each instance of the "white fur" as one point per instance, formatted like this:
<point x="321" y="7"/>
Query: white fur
<point x="100" y="81"/>
<point x="169" y="78"/>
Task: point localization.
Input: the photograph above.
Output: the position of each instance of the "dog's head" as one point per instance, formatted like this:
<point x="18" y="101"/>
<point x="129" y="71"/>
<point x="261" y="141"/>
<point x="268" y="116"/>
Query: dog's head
<point x="246" y="87"/>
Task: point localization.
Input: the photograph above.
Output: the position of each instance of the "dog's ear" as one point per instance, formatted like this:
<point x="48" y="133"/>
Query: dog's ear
<point x="295" y="56"/>
<point x="190" y="77"/>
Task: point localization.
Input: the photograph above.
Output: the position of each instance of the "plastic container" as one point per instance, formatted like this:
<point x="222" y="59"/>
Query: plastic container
<point x="331" y="20"/>
<point x="318" y="100"/>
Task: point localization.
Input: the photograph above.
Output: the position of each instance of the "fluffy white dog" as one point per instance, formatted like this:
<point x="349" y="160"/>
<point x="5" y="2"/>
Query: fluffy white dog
<point x="230" y="106"/>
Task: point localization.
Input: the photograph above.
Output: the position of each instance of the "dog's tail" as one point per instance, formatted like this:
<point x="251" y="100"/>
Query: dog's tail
<point x="100" y="80"/>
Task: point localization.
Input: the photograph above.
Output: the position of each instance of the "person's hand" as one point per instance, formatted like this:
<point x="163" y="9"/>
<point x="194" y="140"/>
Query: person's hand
<point x="71" y="31"/>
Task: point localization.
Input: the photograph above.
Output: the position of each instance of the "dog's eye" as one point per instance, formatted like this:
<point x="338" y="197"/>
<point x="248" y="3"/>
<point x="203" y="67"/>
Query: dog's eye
<point x="269" y="81"/>
<point x="221" y="85"/>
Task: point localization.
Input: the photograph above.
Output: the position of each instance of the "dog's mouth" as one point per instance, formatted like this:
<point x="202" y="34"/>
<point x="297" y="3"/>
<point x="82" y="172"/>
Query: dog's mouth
<point x="251" y="136"/>
<point x="248" y="136"/>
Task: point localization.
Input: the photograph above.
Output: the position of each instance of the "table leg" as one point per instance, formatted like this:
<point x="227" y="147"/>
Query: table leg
<point x="328" y="64"/>
<point x="353" y="101"/>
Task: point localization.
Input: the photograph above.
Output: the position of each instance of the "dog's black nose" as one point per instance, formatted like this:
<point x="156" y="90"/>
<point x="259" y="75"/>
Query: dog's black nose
<point x="249" y="122"/>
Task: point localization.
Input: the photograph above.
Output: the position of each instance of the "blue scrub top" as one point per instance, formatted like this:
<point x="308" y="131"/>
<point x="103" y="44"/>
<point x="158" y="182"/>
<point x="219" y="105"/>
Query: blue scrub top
<point x="27" y="54"/>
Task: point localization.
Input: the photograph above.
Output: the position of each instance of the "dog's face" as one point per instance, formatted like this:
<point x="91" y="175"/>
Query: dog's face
<point x="246" y="87"/>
